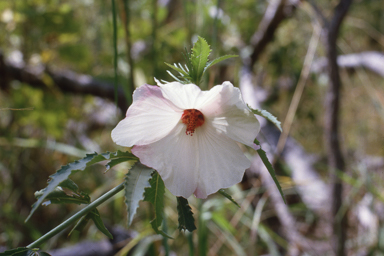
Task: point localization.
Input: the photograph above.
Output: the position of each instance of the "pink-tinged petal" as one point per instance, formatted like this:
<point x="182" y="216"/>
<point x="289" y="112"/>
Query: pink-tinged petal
<point x="224" y="106"/>
<point x="149" y="118"/>
<point x="182" y="95"/>
<point x="175" y="158"/>
<point x="221" y="162"/>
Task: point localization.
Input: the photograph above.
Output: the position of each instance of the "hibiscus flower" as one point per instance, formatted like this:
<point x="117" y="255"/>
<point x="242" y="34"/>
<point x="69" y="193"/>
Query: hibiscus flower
<point x="189" y="136"/>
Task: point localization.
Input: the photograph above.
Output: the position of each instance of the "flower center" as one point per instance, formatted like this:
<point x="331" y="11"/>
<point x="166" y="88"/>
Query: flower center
<point x="193" y="118"/>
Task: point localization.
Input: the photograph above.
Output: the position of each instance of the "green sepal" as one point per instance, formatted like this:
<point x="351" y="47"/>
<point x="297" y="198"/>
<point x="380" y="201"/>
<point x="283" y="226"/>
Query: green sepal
<point x="155" y="195"/>
<point x="63" y="173"/>
<point x="22" y="251"/>
<point x="59" y="196"/>
<point x="222" y="192"/>
<point x="268" y="116"/>
<point x="269" y="167"/>
<point x="186" y="220"/>
<point x="135" y="182"/>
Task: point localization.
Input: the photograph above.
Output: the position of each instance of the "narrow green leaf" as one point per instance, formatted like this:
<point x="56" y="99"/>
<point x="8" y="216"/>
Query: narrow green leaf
<point x="80" y="225"/>
<point x="136" y="180"/>
<point x="95" y="216"/>
<point x="269" y="167"/>
<point x="199" y="58"/>
<point x="155" y="195"/>
<point x="59" y="196"/>
<point x="24" y="252"/>
<point x="186" y="220"/>
<point x="63" y="173"/>
<point x="219" y="59"/>
<point x="222" y="191"/>
<point x="268" y="116"/>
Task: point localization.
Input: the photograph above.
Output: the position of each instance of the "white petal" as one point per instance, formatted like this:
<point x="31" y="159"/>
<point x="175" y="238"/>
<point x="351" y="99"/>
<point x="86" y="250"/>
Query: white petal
<point x="221" y="162"/>
<point x="175" y="158"/>
<point x="229" y="114"/>
<point x="149" y="118"/>
<point x="200" y="164"/>
<point x="182" y="95"/>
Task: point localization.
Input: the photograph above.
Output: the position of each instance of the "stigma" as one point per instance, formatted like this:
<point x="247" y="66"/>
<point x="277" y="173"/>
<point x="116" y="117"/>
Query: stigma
<point x="193" y="118"/>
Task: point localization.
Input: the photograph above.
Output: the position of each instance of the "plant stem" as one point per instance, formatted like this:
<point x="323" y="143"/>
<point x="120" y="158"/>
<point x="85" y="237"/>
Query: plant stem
<point x="115" y="48"/>
<point x="77" y="216"/>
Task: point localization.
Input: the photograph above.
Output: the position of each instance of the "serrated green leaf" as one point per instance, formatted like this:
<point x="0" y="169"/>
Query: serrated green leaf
<point x="155" y="195"/>
<point x="186" y="220"/>
<point x="222" y="191"/>
<point x="120" y="157"/>
<point x="219" y="59"/>
<point x="59" y="196"/>
<point x="199" y="58"/>
<point x="136" y="180"/>
<point x="69" y="184"/>
<point x="63" y="173"/>
<point x="24" y="252"/>
<point x="95" y="216"/>
<point x="268" y="116"/>
<point x="269" y="167"/>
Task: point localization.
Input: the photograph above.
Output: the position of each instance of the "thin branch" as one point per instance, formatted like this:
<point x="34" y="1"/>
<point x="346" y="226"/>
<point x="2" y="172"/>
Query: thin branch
<point x="65" y="80"/>
<point x="276" y="12"/>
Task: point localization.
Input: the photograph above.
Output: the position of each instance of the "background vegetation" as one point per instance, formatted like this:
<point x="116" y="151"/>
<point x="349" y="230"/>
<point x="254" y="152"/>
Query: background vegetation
<point x="47" y="121"/>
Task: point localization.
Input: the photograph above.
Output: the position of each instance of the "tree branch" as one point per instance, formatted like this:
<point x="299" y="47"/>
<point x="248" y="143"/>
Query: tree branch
<point x="277" y="11"/>
<point x="332" y="136"/>
<point x="66" y="81"/>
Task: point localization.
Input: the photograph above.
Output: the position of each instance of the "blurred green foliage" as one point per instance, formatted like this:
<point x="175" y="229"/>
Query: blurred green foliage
<point x="77" y="36"/>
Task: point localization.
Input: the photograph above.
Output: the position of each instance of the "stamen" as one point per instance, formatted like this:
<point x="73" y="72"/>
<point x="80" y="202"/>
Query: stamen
<point x="193" y="118"/>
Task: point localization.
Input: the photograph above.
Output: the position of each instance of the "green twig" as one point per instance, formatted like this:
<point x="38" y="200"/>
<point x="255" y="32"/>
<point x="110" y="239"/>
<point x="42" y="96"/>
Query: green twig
<point x="77" y="216"/>
<point x="115" y="46"/>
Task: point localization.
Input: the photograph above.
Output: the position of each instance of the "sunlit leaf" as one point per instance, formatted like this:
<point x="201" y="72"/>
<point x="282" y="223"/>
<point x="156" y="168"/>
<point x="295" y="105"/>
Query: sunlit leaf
<point x="268" y="116"/>
<point x="186" y="220"/>
<point x="222" y="191"/>
<point x="63" y="173"/>
<point x="136" y="180"/>
<point x="269" y="167"/>
<point x="199" y="58"/>
<point x="155" y="195"/>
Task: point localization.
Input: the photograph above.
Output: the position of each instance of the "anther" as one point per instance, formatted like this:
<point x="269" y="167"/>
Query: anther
<point x="193" y="118"/>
